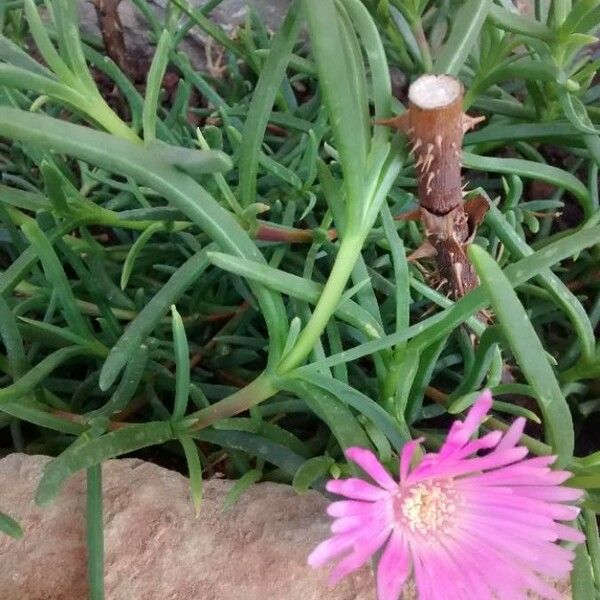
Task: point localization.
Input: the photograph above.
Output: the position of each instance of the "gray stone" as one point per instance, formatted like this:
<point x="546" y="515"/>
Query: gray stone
<point x="155" y="547"/>
<point x="229" y="14"/>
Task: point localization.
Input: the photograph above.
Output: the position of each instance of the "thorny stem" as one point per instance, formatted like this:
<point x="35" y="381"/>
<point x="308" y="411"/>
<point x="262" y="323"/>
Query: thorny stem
<point x="435" y="124"/>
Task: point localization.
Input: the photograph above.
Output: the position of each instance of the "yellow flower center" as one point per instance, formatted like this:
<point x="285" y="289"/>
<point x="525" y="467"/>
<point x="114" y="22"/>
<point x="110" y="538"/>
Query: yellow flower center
<point x="427" y="507"/>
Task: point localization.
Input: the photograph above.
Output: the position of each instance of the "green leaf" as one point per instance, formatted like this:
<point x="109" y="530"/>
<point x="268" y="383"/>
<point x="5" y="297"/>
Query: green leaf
<point x="56" y="277"/>
<point x="576" y="16"/>
<point x="122" y="156"/>
<point x="22" y="199"/>
<point x="396" y="434"/>
<point x="10" y="526"/>
<point x="427" y="331"/>
<point x="551" y="282"/>
<point x="42" y="41"/>
<point x="556" y="131"/>
<point x="263" y="97"/>
<point x="248" y="479"/>
<point x="528" y="351"/>
<point x="484" y="354"/>
<point x="331" y="411"/>
<point x="467" y="24"/>
<point x="340" y="95"/>
<point x="30" y="380"/>
<point x="376" y="56"/>
<point x="61" y="336"/>
<point x="182" y="366"/>
<point x="192" y="457"/>
<point x="523" y="68"/>
<point x="255" y="445"/>
<point x="141" y="327"/>
<point x="582" y="579"/>
<point x="12" y="54"/>
<point x="86" y="453"/>
<point x="12" y="340"/>
<point x="297" y="287"/>
<point x="189" y="160"/>
<point x="511" y="21"/>
<point x="135" y="250"/>
<point x="532" y="170"/>
<point x="132" y="377"/>
<point x="312" y="470"/>
<point x="156" y="73"/>
<point x="31" y="411"/>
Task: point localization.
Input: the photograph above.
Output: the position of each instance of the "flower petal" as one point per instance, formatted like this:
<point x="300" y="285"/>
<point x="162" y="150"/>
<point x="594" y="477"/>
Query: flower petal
<point x="362" y="552"/>
<point x="394" y="567"/>
<point x="368" y="462"/>
<point x="408" y="451"/>
<point x="459" y="435"/>
<point x="513" y="435"/>
<point x="350" y="508"/>
<point x="329" y="549"/>
<point x="357" y="489"/>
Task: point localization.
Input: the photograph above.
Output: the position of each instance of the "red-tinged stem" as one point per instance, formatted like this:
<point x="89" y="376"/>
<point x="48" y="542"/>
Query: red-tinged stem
<point x="271" y="232"/>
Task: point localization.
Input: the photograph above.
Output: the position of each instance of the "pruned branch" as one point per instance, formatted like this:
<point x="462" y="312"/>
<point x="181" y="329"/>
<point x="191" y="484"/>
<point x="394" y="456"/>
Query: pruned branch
<point x="435" y="125"/>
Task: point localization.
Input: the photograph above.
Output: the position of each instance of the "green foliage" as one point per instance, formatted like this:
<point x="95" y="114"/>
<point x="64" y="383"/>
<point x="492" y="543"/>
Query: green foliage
<point x="301" y="326"/>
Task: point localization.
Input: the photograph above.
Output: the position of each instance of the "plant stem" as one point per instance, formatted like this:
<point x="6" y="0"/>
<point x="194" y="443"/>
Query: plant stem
<point x="334" y="288"/>
<point x="419" y="33"/>
<point x="105" y="116"/>
<point x="260" y="389"/>
<point x="265" y="385"/>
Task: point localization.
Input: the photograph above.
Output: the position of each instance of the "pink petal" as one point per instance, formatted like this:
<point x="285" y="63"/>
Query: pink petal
<point x="510" y="514"/>
<point x="467" y="579"/>
<point x="422" y="579"/>
<point x="373" y="521"/>
<point x="508" y="498"/>
<point x="553" y="494"/>
<point x="349" y="508"/>
<point x="406" y="456"/>
<point x="368" y="462"/>
<point x="362" y="552"/>
<point x="443" y="577"/>
<point x="487" y="441"/>
<point x="545" y="557"/>
<point x="357" y="489"/>
<point x="475" y="416"/>
<point x="330" y="548"/>
<point x="535" y="584"/>
<point x="394" y="568"/>
<point x="569" y="534"/>
<point x="474" y="465"/>
<point x="513" y="435"/>
<point x="505" y="577"/>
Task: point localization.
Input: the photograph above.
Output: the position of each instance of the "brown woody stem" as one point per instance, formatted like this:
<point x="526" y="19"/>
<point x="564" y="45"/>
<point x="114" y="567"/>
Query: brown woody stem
<point x="111" y="28"/>
<point x="435" y="124"/>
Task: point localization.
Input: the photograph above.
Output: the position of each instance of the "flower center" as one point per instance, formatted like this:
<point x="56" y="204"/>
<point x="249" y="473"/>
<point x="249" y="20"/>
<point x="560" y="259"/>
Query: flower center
<point x="427" y="507"/>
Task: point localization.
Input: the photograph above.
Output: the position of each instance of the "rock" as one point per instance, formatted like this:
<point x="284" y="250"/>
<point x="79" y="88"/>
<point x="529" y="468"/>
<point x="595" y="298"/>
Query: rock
<point x="156" y="549"/>
<point x="229" y="14"/>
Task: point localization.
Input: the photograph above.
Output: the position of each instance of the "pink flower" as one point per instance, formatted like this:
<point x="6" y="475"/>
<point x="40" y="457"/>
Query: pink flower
<point x="467" y="525"/>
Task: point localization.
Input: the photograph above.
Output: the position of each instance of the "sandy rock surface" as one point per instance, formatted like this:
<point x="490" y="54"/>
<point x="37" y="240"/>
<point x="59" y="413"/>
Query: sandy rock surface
<point x="156" y="549"/>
